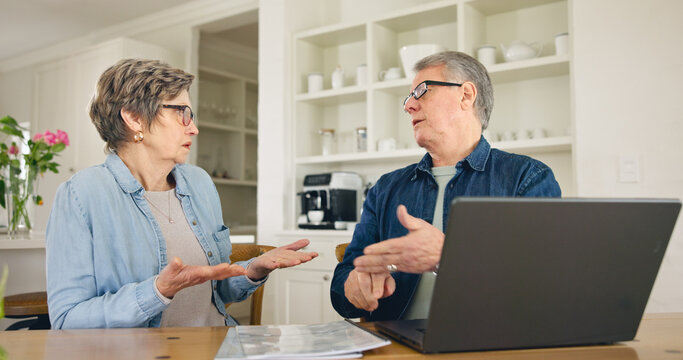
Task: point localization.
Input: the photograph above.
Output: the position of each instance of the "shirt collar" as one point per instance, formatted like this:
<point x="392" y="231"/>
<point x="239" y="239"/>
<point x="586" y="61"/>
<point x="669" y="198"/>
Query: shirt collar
<point x="476" y="159"/>
<point x="130" y="184"/>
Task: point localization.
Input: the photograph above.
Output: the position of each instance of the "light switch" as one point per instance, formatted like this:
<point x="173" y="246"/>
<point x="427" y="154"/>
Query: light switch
<point x="629" y="169"/>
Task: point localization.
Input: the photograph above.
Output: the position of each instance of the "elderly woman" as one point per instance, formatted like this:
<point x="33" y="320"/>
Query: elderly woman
<point x="139" y="241"/>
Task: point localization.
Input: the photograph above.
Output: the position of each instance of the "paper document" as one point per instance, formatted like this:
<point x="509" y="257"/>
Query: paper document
<point x="335" y="340"/>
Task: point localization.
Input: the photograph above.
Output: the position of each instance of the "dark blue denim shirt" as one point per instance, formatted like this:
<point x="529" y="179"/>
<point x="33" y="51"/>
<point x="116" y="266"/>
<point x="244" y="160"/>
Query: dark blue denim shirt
<point x="485" y="172"/>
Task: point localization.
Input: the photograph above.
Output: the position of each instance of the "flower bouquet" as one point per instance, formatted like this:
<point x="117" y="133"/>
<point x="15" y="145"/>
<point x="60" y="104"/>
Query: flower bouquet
<point x="22" y="161"/>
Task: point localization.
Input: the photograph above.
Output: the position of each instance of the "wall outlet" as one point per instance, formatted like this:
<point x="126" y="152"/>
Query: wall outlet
<point x="629" y="168"/>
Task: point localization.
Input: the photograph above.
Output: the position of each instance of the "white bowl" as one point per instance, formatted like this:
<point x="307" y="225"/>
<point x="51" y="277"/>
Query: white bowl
<point x="411" y="54"/>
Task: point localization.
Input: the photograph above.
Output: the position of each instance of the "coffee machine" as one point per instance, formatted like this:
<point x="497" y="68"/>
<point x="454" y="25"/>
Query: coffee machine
<point x="330" y="200"/>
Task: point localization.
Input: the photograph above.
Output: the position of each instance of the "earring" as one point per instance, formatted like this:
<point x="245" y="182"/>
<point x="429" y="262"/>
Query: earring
<point x="138" y="137"/>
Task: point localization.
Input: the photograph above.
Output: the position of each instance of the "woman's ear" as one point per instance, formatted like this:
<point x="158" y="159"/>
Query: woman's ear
<point x="133" y="121"/>
<point x="469" y="95"/>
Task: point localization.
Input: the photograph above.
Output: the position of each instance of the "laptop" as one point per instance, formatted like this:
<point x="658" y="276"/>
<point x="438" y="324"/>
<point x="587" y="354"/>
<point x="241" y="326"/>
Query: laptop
<point x="531" y="272"/>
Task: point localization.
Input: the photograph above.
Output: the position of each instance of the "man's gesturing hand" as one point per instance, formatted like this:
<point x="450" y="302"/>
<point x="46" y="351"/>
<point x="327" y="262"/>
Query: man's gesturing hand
<point x="417" y="252"/>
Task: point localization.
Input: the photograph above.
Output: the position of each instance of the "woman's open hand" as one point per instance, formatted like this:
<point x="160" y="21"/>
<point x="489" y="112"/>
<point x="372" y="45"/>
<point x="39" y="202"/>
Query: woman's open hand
<point x="177" y="276"/>
<point x="282" y="257"/>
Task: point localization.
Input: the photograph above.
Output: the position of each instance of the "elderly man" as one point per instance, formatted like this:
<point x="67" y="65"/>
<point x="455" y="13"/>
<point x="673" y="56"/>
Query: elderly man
<point x="389" y="268"/>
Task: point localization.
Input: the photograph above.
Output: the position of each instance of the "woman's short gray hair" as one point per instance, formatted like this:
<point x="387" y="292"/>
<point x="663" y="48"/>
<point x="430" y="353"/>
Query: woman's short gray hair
<point x="460" y="68"/>
<point x="138" y="86"/>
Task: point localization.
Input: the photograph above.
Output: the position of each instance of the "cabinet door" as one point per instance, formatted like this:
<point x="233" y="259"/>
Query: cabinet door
<point x="54" y="109"/>
<point x="305" y="297"/>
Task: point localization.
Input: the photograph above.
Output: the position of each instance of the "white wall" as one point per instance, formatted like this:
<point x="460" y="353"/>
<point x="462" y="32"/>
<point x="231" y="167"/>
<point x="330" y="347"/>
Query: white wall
<point x="628" y="66"/>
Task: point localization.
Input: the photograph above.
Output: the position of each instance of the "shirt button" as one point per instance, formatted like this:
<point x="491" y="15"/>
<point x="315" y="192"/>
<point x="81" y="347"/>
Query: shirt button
<point x="194" y="222"/>
<point x="215" y="286"/>
<point x="209" y="253"/>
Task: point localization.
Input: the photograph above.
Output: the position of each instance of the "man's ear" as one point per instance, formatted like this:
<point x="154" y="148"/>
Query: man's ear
<point x="133" y="121"/>
<point x="469" y="95"/>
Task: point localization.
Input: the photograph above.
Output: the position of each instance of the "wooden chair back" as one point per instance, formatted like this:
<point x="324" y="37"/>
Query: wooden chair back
<point x="340" y="250"/>
<point x="243" y="252"/>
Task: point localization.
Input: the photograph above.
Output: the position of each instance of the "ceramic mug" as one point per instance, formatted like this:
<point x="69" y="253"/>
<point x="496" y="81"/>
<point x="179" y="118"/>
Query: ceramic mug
<point x="361" y="74"/>
<point x="315" y="82"/>
<point x="387" y="144"/>
<point x="338" y="78"/>
<point x="507" y="136"/>
<point x="316" y="216"/>
<point x="522" y="134"/>
<point x="486" y="54"/>
<point x="538" y="133"/>
<point x="391" y="73"/>
<point x="561" y="43"/>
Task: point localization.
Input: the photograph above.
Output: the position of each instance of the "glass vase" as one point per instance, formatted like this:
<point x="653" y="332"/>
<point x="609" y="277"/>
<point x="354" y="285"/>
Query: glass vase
<point x="20" y="191"/>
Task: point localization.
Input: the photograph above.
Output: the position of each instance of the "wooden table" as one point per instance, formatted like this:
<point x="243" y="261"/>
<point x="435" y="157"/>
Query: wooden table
<point x="660" y="337"/>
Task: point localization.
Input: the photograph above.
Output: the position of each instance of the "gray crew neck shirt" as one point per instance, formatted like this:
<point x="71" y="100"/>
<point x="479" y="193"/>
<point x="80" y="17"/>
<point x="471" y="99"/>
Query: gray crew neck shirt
<point x="419" y="305"/>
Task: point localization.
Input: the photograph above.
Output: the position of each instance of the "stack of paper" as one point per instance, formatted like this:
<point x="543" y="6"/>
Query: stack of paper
<point x="335" y="340"/>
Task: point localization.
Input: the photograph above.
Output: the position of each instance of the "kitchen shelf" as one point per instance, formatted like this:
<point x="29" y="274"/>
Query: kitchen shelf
<point x="493" y="7"/>
<point x="209" y="73"/>
<point x="334" y="35"/>
<point x="329" y="97"/>
<point x="531" y="146"/>
<point x="542" y="67"/>
<point x="234" y="182"/>
<point x="32" y="240"/>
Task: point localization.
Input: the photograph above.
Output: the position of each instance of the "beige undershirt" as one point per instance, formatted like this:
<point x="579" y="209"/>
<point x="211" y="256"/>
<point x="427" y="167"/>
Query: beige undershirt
<point x="192" y="306"/>
<point x="419" y="306"/>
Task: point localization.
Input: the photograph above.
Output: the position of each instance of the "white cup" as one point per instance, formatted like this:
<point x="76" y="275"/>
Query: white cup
<point x="507" y="136"/>
<point x="387" y="144"/>
<point x="316" y="216"/>
<point x="538" y="133"/>
<point x="561" y="44"/>
<point x="338" y="78"/>
<point x="315" y="82"/>
<point x="522" y="134"/>
<point x="361" y="74"/>
<point x="486" y="54"/>
<point x="391" y="73"/>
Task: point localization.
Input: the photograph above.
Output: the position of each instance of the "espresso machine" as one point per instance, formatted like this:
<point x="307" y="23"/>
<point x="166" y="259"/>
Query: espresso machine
<point x="330" y="200"/>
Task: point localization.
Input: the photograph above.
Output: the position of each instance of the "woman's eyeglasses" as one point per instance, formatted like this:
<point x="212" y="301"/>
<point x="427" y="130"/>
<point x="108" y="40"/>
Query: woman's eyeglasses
<point x="185" y="110"/>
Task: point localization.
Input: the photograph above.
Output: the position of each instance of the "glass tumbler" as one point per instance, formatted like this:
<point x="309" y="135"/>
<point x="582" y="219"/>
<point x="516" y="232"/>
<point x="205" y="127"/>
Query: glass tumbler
<point x="361" y="139"/>
<point x="328" y="141"/>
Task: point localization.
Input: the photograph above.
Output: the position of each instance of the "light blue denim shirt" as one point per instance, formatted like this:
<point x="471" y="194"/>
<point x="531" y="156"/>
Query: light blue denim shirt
<point x="104" y="247"/>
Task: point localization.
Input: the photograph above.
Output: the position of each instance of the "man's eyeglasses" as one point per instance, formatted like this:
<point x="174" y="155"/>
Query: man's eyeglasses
<point x="185" y="110"/>
<point x="422" y="88"/>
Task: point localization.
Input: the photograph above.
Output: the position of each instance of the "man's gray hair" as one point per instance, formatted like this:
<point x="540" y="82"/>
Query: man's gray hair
<point x="460" y="67"/>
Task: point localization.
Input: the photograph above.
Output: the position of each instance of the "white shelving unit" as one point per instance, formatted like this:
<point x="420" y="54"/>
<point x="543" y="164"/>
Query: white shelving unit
<point x="529" y="94"/>
<point x="228" y="129"/>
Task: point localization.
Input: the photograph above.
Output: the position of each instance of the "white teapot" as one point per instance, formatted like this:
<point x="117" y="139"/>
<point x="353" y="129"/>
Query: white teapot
<point x="519" y="50"/>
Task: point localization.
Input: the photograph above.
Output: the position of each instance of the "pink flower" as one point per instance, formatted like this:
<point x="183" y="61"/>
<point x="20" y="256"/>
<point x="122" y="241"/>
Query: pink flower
<point x="13" y="149"/>
<point x="37" y="137"/>
<point x="50" y="138"/>
<point x="62" y="137"/>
